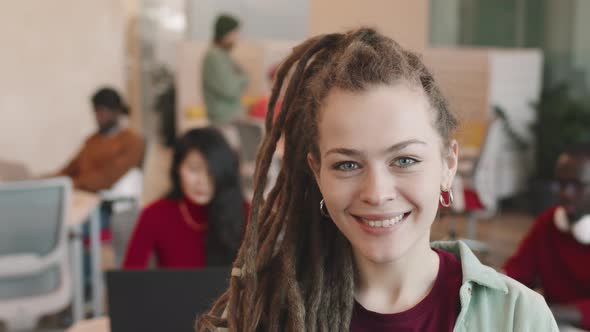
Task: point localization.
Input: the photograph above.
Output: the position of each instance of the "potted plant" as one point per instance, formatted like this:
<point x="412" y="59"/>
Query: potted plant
<point x="561" y="121"/>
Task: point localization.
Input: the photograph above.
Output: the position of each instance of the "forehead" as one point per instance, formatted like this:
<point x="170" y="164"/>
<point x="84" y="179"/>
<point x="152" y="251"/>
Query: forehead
<point x="376" y="118"/>
<point x="235" y="32"/>
<point x="194" y="156"/>
<point x="104" y="109"/>
<point x="573" y="167"/>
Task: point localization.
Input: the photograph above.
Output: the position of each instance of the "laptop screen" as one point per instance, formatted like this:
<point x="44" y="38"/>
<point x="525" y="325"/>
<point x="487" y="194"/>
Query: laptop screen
<point x="162" y="300"/>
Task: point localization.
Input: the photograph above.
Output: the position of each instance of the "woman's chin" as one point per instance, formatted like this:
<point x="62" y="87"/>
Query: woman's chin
<point x="199" y="199"/>
<point x="381" y="255"/>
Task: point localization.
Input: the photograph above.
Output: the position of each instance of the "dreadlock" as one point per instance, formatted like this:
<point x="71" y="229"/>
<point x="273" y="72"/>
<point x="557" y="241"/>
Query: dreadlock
<point x="297" y="270"/>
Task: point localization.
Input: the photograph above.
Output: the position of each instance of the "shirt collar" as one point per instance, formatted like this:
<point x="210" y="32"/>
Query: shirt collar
<point x="473" y="269"/>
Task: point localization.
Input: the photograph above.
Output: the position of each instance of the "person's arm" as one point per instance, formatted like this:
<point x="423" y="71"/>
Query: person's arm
<point x="142" y="243"/>
<point x="522" y="266"/>
<point x="107" y="174"/>
<point x="71" y="169"/>
<point x="222" y="78"/>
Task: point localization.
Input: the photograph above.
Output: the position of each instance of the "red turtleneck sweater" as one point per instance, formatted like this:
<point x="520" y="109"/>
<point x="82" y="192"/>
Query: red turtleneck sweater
<point x="557" y="262"/>
<point x="161" y="229"/>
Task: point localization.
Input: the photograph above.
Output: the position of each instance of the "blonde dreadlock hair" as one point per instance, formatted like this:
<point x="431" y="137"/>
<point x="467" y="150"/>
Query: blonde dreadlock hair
<point x="297" y="271"/>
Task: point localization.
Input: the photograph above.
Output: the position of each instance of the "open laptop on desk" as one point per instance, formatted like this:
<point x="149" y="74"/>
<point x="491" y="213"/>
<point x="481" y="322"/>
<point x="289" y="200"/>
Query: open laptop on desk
<point x="162" y="300"/>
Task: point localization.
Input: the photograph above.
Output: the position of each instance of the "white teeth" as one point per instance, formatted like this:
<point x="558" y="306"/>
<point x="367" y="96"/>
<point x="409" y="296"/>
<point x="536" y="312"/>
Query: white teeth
<point x="384" y="223"/>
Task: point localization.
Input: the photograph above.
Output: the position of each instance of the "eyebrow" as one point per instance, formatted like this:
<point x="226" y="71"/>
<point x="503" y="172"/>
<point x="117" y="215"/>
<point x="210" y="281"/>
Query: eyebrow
<point x="396" y="147"/>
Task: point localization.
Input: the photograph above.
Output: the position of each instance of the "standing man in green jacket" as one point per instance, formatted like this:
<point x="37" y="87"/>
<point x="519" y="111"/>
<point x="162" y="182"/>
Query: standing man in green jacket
<point x="223" y="80"/>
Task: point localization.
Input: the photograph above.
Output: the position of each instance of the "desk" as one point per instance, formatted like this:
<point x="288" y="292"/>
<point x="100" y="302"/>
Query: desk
<point x="84" y="208"/>
<point x="100" y="324"/>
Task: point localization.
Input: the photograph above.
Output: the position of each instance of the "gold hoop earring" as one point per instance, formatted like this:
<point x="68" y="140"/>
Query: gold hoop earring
<point x="324" y="210"/>
<point x="441" y="198"/>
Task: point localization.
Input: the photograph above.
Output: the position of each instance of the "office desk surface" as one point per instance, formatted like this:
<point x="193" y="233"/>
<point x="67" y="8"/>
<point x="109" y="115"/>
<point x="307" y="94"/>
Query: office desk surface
<point x="100" y="324"/>
<point x="83" y="203"/>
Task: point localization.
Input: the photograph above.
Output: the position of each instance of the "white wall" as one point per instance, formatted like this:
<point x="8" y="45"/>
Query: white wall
<point x="406" y="21"/>
<point x="260" y="19"/>
<point x="515" y="84"/>
<point x="54" y="55"/>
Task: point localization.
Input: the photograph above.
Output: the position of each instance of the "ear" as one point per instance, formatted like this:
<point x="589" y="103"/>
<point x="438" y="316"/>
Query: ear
<point x="314" y="165"/>
<point x="450" y="163"/>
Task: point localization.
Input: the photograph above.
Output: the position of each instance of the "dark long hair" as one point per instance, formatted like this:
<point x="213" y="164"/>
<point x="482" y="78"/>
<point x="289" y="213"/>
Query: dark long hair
<point x="226" y="209"/>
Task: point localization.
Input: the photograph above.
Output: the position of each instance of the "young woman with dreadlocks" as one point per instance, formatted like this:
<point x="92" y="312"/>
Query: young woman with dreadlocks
<point x="341" y="243"/>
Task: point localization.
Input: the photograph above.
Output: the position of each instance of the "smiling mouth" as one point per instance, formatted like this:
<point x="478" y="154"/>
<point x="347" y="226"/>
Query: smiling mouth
<point x="383" y="222"/>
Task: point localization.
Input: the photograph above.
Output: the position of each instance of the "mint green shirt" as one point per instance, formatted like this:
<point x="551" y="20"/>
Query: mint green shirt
<point x="223" y="84"/>
<point x="493" y="302"/>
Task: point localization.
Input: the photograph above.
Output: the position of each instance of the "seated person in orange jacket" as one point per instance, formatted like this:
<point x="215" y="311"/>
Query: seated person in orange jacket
<point x="201" y="221"/>
<point x="109" y="153"/>
<point x="555" y="254"/>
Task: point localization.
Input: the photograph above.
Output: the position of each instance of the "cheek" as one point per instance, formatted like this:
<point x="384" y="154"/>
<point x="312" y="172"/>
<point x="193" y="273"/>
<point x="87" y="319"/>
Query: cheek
<point x="188" y="179"/>
<point x="207" y="183"/>
<point x="338" y="193"/>
<point x="424" y="192"/>
<point x="584" y="202"/>
<point x="428" y="195"/>
<point x="429" y="180"/>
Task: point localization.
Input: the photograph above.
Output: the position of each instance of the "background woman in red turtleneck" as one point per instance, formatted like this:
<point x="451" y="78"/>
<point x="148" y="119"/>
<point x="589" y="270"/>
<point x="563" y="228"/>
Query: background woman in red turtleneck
<point x="201" y="221"/>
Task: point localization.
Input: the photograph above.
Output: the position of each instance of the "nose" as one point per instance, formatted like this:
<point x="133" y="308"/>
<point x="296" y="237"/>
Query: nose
<point x="378" y="187"/>
<point x="200" y="181"/>
<point x="567" y="193"/>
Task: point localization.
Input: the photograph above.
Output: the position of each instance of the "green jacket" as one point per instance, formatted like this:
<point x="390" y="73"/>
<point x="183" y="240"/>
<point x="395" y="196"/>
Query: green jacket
<point x="223" y="83"/>
<point x="493" y="302"/>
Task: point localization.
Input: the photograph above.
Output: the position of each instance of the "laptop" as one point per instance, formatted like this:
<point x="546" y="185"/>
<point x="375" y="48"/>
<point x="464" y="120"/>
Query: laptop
<point x="162" y="300"/>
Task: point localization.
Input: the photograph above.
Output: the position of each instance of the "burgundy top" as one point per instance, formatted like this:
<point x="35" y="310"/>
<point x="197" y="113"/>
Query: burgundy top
<point x="437" y="312"/>
<point x="557" y="261"/>
<point x="162" y="230"/>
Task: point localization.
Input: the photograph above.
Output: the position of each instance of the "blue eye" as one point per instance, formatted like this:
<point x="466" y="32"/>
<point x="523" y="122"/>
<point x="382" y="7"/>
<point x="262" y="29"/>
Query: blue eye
<point x="346" y="166"/>
<point x="404" y="162"/>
